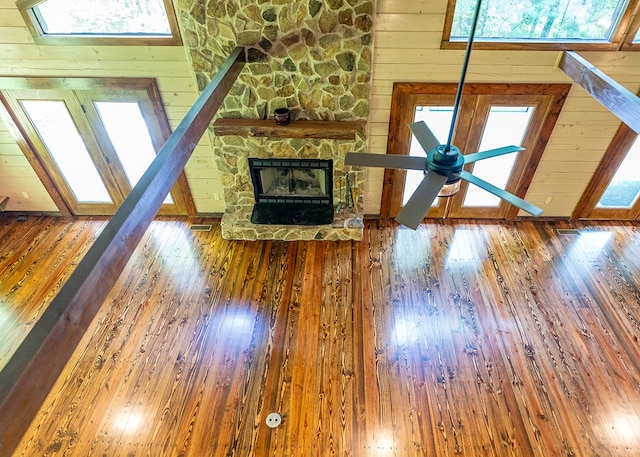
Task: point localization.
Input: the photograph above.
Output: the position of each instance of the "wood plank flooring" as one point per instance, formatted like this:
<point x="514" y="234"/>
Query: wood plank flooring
<point x="462" y="338"/>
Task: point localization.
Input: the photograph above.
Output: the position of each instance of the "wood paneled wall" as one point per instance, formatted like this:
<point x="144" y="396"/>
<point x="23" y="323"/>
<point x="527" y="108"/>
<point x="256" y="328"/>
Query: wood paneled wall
<point x="19" y="56"/>
<point x="407" y="48"/>
<point x="461" y="338"/>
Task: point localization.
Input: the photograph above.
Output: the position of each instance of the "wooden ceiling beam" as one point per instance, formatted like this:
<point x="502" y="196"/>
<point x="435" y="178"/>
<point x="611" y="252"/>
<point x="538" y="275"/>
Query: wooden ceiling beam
<point x="33" y="369"/>
<point x="615" y="97"/>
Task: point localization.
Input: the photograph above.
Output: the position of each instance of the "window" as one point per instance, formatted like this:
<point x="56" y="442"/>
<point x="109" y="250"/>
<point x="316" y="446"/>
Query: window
<point x="135" y="152"/>
<point x="544" y="24"/>
<point x="624" y="188"/>
<point x="149" y="22"/>
<point x="505" y="125"/>
<point x="614" y="190"/>
<point x="491" y="115"/>
<point x="60" y="136"/>
<point x="91" y="140"/>
<point x="438" y="118"/>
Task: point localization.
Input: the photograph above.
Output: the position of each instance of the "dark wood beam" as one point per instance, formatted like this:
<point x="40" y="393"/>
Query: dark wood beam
<point x="616" y="98"/>
<point x="33" y="369"/>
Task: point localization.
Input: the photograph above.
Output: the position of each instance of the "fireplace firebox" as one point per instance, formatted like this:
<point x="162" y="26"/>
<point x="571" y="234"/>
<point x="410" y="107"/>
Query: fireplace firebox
<point x="292" y="191"/>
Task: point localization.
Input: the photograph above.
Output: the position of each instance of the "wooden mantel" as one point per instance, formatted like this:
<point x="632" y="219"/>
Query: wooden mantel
<point x="339" y="130"/>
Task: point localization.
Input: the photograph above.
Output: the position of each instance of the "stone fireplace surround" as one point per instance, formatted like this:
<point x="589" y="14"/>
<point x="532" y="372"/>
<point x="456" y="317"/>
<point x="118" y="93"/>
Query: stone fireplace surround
<point x="311" y="56"/>
<point x="236" y="222"/>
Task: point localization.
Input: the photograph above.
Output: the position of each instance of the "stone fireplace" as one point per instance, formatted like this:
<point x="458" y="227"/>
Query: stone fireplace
<point x="242" y="196"/>
<point x="292" y="191"/>
<point x="310" y="56"/>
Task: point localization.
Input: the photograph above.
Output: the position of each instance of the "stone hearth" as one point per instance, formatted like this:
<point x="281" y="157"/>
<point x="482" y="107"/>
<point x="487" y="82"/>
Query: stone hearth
<point x="236" y="225"/>
<point x="310" y="56"/>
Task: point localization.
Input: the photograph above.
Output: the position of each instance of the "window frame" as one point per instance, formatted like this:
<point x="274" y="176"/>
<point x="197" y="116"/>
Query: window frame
<point x="633" y="30"/>
<point x="78" y="93"/>
<point x="601" y="178"/>
<point x="39" y="37"/>
<point x="621" y="40"/>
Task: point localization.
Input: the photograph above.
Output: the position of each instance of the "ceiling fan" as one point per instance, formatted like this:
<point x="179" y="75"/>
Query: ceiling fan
<point x="443" y="164"/>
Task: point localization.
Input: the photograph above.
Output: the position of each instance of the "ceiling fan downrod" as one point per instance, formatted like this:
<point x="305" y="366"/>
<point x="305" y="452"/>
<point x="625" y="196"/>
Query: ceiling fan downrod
<point x="465" y="64"/>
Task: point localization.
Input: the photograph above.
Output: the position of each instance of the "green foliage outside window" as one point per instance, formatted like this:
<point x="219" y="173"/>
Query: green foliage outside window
<point x="539" y="20"/>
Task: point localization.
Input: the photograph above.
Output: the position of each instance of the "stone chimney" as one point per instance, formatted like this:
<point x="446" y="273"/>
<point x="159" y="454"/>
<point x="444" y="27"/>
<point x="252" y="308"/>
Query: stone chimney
<point x="313" y="57"/>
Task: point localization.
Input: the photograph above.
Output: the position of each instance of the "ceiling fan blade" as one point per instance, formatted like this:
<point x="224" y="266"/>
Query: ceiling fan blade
<point x="367" y="159"/>
<point x="469" y="158"/>
<point x="503" y="194"/>
<point x="416" y="208"/>
<point x="425" y="137"/>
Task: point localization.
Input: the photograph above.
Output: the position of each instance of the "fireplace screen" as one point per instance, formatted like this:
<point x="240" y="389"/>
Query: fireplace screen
<point x="292" y="191"/>
<point x="293" y="182"/>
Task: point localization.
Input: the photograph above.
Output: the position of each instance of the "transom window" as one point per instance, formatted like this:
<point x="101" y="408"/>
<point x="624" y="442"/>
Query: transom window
<point x="101" y="21"/>
<point x="550" y="24"/>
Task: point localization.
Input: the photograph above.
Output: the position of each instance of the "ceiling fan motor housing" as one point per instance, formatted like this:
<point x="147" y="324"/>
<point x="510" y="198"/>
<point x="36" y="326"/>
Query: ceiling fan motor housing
<point x="448" y="163"/>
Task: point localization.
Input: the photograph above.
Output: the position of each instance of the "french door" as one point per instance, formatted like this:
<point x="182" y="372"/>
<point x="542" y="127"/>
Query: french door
<point x="94" y="145"/>
<point x="614" y="190"/>
<point x="491" y="116"/>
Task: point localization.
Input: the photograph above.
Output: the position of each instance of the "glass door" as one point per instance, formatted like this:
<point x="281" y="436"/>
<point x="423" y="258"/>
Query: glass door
<point x="490" y="116"/>
<point x="624" y="188"/>
<point x="498" y="122"/>
<point x="95" y="145"/>
<point x="123" y="126"/>
<point x="68" y="151"/>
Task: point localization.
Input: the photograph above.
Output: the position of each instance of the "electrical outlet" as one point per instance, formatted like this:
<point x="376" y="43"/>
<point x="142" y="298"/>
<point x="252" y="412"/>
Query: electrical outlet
<point x="216" y="196"/>
<point x="548" y="200"/>
<point x="25" y="195"/>
<point x="273" y="420"/>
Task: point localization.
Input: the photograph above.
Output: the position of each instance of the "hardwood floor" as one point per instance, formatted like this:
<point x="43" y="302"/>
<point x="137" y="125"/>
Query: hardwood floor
<point x="462" y="338"/>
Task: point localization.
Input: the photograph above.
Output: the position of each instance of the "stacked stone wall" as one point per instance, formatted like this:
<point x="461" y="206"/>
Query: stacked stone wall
<point x="311" y="56"/>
